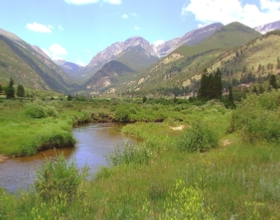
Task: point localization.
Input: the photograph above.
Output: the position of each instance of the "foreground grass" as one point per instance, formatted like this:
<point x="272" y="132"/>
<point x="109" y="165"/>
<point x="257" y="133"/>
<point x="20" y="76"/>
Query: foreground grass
<point x="236" y="179"/>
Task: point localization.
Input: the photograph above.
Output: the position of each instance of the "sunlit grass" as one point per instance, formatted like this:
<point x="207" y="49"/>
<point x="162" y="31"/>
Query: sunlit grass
<point x="235" y="179"/>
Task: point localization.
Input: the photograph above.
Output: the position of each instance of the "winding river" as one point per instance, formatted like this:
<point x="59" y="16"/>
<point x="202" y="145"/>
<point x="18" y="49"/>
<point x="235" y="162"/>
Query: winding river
<point x="94" y="141"/>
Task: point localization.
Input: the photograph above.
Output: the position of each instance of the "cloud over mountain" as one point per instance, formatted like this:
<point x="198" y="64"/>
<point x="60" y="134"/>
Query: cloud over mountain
<point x="209" y="11"/>
<point x="55" y="51"/>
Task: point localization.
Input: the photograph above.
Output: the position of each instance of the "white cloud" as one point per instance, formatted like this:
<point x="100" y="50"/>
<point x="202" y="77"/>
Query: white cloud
<point x="209" y="11"/>
<point x="136" y="28"/>
<point x="55" y="51"/>
<point x="81" y="63"/>
<point x="124" y="16"/>
<point x="46" y="52"/>
<point x="36" y="27"/>
<point x="134" y="14"/>
<point x="158" y="42"/>
<point x="85" y="2"/>
<point x="60" y="28"/>
<point x="88" y="51"/>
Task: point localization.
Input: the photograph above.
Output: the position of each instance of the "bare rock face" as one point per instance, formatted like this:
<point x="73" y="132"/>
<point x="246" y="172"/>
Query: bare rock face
<point x="263" y="29"/>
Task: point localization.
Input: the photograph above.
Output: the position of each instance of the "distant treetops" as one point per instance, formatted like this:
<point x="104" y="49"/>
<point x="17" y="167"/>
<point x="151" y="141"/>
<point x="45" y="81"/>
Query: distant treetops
<point x="211" y="85"/>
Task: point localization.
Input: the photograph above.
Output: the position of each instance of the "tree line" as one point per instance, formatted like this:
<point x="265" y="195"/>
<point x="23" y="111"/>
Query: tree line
<point x="10" y="91"/>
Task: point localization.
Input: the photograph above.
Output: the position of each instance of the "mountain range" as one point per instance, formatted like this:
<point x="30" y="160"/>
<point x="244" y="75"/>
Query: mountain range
<point x="132" y="65"/>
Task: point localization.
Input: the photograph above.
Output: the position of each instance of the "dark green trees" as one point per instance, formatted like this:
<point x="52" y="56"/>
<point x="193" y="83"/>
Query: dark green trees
<point x="273" y="82"/>
<point x="20" y="91"/>
<point x="211" y="86"/>
<point x="1" y="88"/>
<point x="10" y="91"/>
<point x="144" y="99"/>
<point x="69" y="98"/>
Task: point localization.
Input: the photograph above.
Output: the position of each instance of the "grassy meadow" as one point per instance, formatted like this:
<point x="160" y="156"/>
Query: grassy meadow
<point x="195" y="160"/>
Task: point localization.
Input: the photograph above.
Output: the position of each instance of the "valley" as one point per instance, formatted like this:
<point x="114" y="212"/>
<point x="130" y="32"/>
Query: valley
<point x="202" y="111"/>
<point x="143" y="68"/>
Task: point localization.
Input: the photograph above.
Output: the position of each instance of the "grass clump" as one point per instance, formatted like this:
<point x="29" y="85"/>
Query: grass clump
<point x="129" y="154"/>
<point x="40" y="109"/>
<point x="59" y="179"/>
<point x="183" y="202"/>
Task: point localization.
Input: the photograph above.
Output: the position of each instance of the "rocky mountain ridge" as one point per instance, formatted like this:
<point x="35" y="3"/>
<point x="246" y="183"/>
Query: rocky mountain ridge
<point x="263" y="29"/>
<point x="114" y="51"/>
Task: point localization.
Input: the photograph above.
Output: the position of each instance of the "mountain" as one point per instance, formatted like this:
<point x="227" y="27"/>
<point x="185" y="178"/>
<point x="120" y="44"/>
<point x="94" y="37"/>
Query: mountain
<point x="105" y="78"/>
<point x="190" y="38"/>
<point x="40" y="51"/>
<point x="115" y="51"/>
<point x="232" y="35"/>
<point x="139" y="66"/>
<point x="184" y="66"/>
<point x="69" y="68"/>
<point x="263" y="29"/>
<point x="137" y="58"/>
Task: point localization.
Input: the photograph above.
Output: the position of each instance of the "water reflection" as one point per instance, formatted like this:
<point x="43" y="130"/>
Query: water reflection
<point x="94" y="141"/>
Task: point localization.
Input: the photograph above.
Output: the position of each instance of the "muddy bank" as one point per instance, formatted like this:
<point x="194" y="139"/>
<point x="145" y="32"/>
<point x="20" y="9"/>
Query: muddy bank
<point x="3" y="158"/>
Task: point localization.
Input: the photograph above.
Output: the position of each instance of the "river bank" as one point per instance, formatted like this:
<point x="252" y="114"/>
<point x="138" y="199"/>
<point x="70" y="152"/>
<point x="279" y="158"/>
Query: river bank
<point x="3" y="158"/>
<point x="41" y="125"/>
<point x="93" y="142"/>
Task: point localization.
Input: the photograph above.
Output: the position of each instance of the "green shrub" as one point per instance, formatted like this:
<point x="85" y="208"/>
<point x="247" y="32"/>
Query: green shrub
<point x="198" y="137"/>
<point x="41" y="109"/>
<point x="34" y="111"/>
<point x="122" y="115"/>
<point x="258" y="117"/>
<point x="59" y="179"/>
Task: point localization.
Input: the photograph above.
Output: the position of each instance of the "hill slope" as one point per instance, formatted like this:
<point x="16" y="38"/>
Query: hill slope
<point x="183" y="67"/>
<point x="109" y="75"/>
<point x="28" y="67"/>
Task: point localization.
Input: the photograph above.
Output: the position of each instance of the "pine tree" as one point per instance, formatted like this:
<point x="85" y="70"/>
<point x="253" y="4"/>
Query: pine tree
<point x="69" y="98"/>
<point x="10" y="91"/>
<point x="231" y="103"/>
<point x="210" y="87"/>
<point x="218" y="84"/>
<point x="273" y="82"/>
<point x="20" y="91"/>
<point x="230" y="95"/>
<point x="202" y="91"/>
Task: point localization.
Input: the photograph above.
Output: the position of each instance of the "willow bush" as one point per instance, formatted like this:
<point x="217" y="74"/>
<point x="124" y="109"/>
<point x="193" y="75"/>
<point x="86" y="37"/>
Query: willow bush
<point x="197" y="137"/>
<point x="258" y="117"/>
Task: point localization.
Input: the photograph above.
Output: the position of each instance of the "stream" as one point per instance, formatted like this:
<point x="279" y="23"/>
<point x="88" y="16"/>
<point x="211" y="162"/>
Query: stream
<point x="94" y="141"/>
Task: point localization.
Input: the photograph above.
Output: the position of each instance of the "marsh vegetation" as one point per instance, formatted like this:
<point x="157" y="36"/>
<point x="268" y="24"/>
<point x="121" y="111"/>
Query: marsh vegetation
<point x="222" y="163"/>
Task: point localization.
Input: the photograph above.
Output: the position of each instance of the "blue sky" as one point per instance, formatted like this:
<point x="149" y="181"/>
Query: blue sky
<point x="76" y="30"/>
